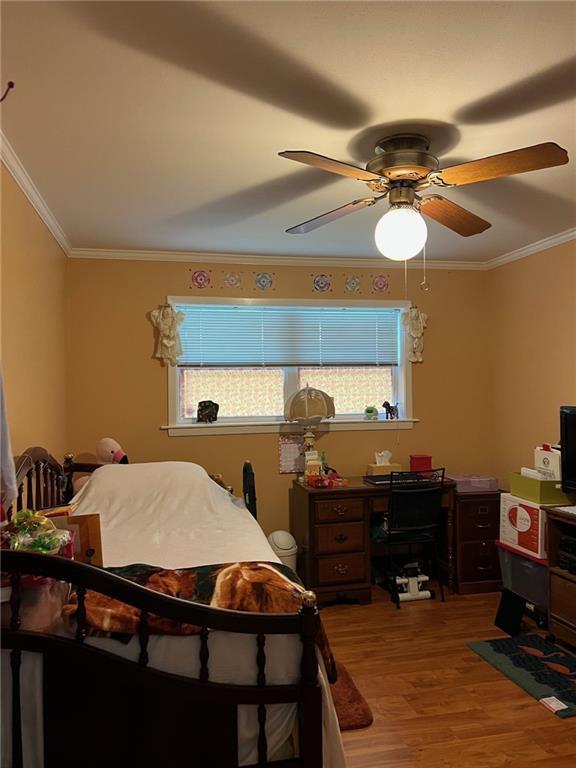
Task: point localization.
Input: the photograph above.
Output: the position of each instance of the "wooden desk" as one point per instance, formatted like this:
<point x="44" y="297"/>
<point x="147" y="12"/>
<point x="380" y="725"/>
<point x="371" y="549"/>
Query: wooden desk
<point x="332" y="529"/>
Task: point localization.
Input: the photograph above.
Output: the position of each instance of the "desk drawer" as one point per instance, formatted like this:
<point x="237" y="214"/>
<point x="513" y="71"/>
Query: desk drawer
<point x="341" y="537"/>
<point x="563" y="599"/>
<point x="338" y="510"/>
<point x="340" y="569"/>
<point x="479" y="561"/>
<point x="478" y="519"/>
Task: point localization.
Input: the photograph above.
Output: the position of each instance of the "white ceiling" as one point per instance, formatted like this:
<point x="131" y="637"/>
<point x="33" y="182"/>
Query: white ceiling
<point x="157" y="125"/>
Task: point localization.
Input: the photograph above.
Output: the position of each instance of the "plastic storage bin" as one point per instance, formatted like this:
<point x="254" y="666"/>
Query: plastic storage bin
<point x="285" y="547"/>
<point x="475" y="483"/>
<point x="524" y="576"/>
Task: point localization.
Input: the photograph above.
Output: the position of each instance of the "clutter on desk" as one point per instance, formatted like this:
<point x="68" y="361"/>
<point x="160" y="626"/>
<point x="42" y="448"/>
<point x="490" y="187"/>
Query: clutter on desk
<point x="317" y="473"/>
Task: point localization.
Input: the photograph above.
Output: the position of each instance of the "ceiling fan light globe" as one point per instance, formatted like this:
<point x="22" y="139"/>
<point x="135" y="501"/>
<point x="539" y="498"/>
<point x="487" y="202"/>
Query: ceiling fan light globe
<point x="401" y="233"/>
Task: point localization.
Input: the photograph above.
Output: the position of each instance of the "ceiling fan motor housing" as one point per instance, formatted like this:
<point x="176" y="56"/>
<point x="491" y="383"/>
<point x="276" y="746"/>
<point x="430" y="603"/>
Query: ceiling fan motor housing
<point x="403" y="156"/>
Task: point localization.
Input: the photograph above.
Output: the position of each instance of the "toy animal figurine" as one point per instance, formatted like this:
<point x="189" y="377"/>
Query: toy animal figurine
<point x="207" y="411"/>
<point x="109" y="451"/>
<point x="391" y="410"/>
<point x="371" y="412"/>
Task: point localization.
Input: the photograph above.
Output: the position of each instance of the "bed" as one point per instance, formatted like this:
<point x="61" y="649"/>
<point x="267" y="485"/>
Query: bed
<point x="246" y="689"/>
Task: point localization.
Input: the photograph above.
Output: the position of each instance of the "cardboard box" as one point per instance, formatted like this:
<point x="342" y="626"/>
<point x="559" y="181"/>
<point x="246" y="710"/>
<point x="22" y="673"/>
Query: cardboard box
<point x="540" y="491"/>
<point x="383" y="469"/>
<point x="548" y="464"/>
<point x="522" y="525"/>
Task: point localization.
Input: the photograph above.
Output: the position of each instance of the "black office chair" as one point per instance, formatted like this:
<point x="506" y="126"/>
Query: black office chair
<point x="414" y="516"/>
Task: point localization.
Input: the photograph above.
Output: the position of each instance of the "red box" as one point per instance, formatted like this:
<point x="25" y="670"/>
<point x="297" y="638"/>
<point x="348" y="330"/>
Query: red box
<point x="420" y="461"/>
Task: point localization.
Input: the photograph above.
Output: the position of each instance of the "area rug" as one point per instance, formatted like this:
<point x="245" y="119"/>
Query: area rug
<point x="542" y="669"/>
<point x="351" y="707"/>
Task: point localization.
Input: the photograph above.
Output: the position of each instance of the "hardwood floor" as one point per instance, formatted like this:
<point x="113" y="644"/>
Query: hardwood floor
<point x="436" y="704"/>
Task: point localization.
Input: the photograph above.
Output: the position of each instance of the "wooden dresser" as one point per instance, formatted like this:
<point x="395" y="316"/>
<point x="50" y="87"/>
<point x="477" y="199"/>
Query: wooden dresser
<point x="562" y="575"/>
<point x="477" y="529"/>
<point x="331" y="528"/>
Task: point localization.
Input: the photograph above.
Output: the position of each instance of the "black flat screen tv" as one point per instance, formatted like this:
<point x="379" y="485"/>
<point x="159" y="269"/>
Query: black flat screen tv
<point x="568" y="447"/>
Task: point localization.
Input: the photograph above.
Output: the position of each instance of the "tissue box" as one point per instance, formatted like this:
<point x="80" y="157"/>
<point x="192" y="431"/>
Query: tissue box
<point x="522" y="525"/>
<point x="383" y="469"/>
<point x="548" y="464"/>
<point x="540" y="491"/>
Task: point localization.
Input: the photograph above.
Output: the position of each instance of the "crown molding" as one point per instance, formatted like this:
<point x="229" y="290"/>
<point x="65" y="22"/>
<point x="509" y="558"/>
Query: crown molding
<point x="528" y="250"/>
<point x="22" y="178"/>
<point x="24" y="181"/>
<point x="198" y="257"/>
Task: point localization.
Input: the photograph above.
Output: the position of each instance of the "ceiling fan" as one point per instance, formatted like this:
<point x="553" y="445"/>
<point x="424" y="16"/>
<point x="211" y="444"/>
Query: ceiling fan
<point x="403" y="166"/>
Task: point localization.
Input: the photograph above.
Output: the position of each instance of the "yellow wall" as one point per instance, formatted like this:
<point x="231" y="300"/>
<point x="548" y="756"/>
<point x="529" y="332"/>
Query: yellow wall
<point x="500" y="358"/>
<point x="34" y="359"/>
<point x="118" y="389"/>
<point x="533" y="347"/>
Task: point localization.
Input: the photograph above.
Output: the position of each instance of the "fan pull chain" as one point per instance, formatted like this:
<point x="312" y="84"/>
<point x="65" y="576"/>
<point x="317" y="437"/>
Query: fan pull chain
<point x="9" y="87"/>
<point x="406" y="279"/>
<point x="424" y="285"/>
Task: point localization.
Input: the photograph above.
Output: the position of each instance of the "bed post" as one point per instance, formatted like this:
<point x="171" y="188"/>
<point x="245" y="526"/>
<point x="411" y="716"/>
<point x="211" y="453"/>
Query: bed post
<point x="249" y="488"/>
<point x="68" y="468"/>
<point x="310" y="712"/>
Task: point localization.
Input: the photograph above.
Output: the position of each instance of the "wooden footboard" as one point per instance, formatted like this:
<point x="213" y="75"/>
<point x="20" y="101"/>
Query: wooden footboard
<point x="101" y="709"/>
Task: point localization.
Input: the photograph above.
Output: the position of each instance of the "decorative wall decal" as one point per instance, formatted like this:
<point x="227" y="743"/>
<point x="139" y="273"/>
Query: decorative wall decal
<point x="232" y="280"/>
<point x="200" y="279"/>
<point x="352" y="283"/>
<point x="322" y="283"/>
<point x="168" y="346"/>
<point x="415" y="322"/>
<point x="380" y="283"/>
<point x="264" y="281"/>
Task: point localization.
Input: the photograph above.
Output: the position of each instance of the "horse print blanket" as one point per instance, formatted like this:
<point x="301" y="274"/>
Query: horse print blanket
<point x="259" y="587"/>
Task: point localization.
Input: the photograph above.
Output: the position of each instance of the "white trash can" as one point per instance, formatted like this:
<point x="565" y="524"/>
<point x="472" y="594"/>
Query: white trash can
<point x="285" y="547"/>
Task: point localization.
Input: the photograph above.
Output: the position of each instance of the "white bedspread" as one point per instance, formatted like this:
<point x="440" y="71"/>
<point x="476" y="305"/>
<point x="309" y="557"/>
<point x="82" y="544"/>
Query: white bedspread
<point x="171" y="514"/>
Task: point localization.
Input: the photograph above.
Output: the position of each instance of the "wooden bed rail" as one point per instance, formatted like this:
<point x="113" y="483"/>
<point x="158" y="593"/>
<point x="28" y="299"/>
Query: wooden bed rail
<point x="77" y="672"/>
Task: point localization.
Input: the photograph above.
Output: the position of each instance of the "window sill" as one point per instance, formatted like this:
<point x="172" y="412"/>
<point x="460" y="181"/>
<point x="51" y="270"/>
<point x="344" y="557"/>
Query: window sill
<point x="283" y="427"/>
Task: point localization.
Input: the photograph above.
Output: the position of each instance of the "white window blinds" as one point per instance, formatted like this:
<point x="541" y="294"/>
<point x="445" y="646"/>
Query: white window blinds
<point x="227" y="335"/>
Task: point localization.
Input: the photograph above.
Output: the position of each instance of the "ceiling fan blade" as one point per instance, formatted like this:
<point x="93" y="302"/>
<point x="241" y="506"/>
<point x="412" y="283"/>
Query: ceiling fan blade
<point x="507" y="164"/>
<point x="453" y="216"/>
<point x="333" y="166"/>
<point x="337" y="213"/>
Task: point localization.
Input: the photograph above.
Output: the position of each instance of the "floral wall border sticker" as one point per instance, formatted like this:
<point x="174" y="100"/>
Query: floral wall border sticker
<point x="200" y="278"/>
<point x="352" y="283"/>
<point x="380" y="283"/>
<point x="264" y="281"/>
<point x="321" y="283"/>
<point x="232" y="280"/>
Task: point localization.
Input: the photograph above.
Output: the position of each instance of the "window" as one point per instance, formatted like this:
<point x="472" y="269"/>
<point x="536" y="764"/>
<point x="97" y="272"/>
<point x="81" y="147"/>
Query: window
<point x="249" y="357"/>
